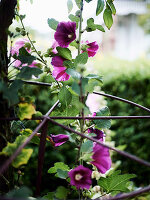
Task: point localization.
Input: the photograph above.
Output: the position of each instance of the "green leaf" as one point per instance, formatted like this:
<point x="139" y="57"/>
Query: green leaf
<point x="74" y="74"/>
<point x="27" y="72"/>
<point x="94" y="76"/>
<point x="65" y="96"/>
<point x="52" y="23"/>
<point x="107" y="16"/>
<point x="78" y="3"/>
<point x="87" y="147"/>
<point x="74" y="18"/>
<point x="81" y="59"/>
<point x="49" y="196"/>
<point x="62" y="174"/>
<point x="103" y="123"/>
<point x="111" y="4"/>
<point x="115" y="182"/>
<point x="26" y="111"/>
<point x="11" y="93"/>
<point x="100" y="7"/>
<point x="88" y="1"/>
<point x="22" y="158"/>
<point x="25" y="57"/>
<point x="74" y="44"/>
<point x="68" y="64"/>
<point x="100" y="28"/>
<point x="21" y="193"/>
<point x="64" y="52"/>
<point x="24" y="155"/>
<point x="58" y="165"/>
<point x="92" y="27"/>
<point x="61" y="192"/>
<point x="87" y="157"/>
<point x="69" y="5"/>
<point x="27" y="132"/>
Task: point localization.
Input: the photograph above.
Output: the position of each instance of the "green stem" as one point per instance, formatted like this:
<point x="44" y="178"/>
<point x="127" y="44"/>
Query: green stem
<point x="80" y="27"/>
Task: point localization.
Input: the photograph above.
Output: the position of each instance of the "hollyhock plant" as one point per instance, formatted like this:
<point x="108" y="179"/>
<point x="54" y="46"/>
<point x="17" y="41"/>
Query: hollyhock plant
<point x="17" y="63"/>
<point x="101" y="158"/>
<point x="59" y="70"/>
<point x="65" y="33"/>
<point x="58" y="140"/>
<point x="80" y="177"/>
<point x="92" y="49"/>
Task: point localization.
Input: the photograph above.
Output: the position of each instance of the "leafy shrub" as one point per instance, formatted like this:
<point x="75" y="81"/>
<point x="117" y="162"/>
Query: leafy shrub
<point x="129" y="80"/>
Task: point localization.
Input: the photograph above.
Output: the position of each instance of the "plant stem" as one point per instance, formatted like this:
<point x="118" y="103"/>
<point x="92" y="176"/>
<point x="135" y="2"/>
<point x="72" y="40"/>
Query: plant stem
<point x="80" y="27"/>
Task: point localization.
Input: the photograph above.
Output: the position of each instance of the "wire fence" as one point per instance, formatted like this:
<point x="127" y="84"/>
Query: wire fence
<point x="44" y="125"/>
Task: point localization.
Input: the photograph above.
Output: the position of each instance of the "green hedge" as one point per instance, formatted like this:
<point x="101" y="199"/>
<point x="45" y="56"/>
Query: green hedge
<point x="129" y="80"/>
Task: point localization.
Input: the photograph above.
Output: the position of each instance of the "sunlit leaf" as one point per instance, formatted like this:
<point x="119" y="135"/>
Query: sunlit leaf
<point x="52" y="23"/>
<point x="107" y="16"/>
<point x="65" y="96"/>
<point x="58" y="165"/>
<point x="100" y="7"/>
<point x="26" y="111"/>
<point x="61" y="192"/>
<point x="69" y="5"/>
<point x="64" y="52"/>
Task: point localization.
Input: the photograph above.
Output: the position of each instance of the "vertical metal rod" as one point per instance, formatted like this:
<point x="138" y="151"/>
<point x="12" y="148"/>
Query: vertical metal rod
<point x="41" y="158"/>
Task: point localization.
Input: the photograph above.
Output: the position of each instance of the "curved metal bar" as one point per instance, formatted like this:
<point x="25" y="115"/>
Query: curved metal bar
<point x="123" y="100"/>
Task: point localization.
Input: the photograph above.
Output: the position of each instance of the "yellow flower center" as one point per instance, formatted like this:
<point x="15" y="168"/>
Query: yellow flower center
<point x="78" y="177"/>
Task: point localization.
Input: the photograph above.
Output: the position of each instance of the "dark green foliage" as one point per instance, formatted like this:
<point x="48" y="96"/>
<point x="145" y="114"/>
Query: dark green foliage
<point x="130" y="80"/>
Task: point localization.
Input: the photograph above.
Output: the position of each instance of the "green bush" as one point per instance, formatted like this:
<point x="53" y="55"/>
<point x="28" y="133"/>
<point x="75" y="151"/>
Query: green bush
<point x="129" y="80"/>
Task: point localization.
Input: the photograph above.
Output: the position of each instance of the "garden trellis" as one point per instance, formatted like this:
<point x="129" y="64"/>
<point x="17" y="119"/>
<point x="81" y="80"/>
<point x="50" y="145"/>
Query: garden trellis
<point x="43" y="125"/>
<point x="64" y="66"/>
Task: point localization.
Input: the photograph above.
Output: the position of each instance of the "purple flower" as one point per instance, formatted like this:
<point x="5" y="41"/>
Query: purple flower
<point x="59" y="70"/>
<point x="58" y="140"/>
<point x="92" y="49"/>
<point x="17" y="63"/>
<point x="99" y="134"/>
<point x="101" y="158"/>
<point x="81" y="177"/>
<point x="19" y="44"/>
<point x="65" y="33"/>
<point x="54" y="45"/>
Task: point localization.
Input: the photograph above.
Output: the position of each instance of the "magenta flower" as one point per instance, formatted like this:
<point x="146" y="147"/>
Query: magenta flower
<point x="92" y="49"/>
<point x="17" y="63"/>
<point x="99" y="134"/>
<point x="65" y="33"/>
<point x="81" y="177"/>
<point x="59" y="70"/>
<point x="54" y="45"/>
<point x="101" y="158"/>
<point x="19" y="44"/>
<point x="58" y="140"/>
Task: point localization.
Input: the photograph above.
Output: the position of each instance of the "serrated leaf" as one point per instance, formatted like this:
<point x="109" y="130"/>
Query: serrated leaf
<point x="62" y="173"/>
<point x="74" y="74"/>
<point x="25" y="57"/>
<point x="87" y="147"/>
<point x="61" y="192"/>
<point x="26" y="111"/>
<point x="115" y="182"/>
<point x="65" y="96"/>
<point x="64" y="52"/>
<point x="24" y="155"/>
<point x="27" y="132"/>
<point x="81" y="59"/>
<point x="100" y="7"/>
<point x="52" y="23"/>
<point x="103" y="123"/>
<point x="107" y="16"/>
<point x="69" y="5"/>
<point x="58" y="165"/>
<point x="78" y="3"/>
<point x="27" y="72"/>
<point x="94" y="76"/>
